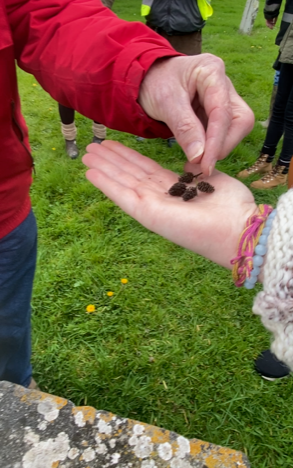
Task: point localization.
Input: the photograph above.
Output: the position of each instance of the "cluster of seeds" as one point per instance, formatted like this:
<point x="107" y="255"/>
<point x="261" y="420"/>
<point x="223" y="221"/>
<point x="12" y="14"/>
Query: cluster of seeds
<point x="205" y="187"/>
<point x="178" y="189"/>
<point x="187" y="193"/>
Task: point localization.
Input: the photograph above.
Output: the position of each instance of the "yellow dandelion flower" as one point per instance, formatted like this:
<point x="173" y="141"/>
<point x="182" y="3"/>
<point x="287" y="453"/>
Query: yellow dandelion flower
<point x="34" y="84"/>
<point x="90" y="308"/>
<point x="110" y="293"/>
<point x="124" y="280"/>
<point x="54" y="149"/>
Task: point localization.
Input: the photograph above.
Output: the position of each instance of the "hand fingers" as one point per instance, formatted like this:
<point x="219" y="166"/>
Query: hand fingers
<point x="213" y="89"/>
<point x="229" y="118"/>
<point x="186" y="127"/>
<point x="270" y="24"/>
<point x="115" y="170"/>
<point x="121" y="195"/>
<point x="129" y="174"/>
<point x="164" y="96"/>
<point x="128" y="154"/>
<point x="214" y="176"/>
<point x="168" y="90"/>
<point x="226" y="129"/>
<point x="103" y="157"/>
<point x="241" y="125"/>
<point x="206" y="80"/>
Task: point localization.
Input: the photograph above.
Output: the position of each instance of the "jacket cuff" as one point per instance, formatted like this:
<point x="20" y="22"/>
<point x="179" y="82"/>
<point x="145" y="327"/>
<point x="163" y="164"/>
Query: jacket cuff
<point x="131" y="72"/>
<point x="271" y="15"/>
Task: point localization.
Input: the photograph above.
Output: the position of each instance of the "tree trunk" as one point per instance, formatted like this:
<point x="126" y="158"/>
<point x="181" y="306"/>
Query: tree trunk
<point x="249" y="15"/>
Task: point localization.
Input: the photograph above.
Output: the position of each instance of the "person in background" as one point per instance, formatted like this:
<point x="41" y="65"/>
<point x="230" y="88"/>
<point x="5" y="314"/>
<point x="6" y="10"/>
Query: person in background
<point x="69" y="131"/>
<point x="281" y="123"/>
<point x="68" y="127"/>
<point x="180" y="22"/>
<point x="271" y="14"/>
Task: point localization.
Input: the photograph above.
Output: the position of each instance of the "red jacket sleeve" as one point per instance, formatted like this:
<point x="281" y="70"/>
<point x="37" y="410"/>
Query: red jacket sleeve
<point x="88" y="59"/>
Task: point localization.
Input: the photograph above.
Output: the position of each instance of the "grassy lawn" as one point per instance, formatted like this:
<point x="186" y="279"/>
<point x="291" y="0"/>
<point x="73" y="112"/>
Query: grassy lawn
<point x="174" y="346"/>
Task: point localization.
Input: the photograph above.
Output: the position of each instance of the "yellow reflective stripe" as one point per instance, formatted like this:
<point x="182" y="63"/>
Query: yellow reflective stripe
<point x="146" y="7"/>
<point x="204" y="6"/>
<point x="145" y="10"/>
<point x="205" y="9"/>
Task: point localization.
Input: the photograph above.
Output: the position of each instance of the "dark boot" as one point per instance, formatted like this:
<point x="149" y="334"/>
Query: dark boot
<point x="71" y="148"/>
<point x="171" y="142"/>
<point x="98" y="140"/>
<point x="269" y="367"/>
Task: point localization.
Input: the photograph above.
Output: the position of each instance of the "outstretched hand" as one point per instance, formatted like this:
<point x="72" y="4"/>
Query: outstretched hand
<point x="198" y="102"/>
<point x="209" y="224"/>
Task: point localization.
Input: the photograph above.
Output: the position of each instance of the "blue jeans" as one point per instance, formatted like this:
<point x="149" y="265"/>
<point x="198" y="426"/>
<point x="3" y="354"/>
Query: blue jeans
<point x="17" y="267"/>
<point x="276" y="77"/>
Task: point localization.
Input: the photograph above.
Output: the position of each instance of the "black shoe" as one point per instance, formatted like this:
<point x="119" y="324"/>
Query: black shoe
<point x="98" y="140"/>
<point x="71" y="149"/>
<point x="269" y="367"/>
<point x="171" y="142"/>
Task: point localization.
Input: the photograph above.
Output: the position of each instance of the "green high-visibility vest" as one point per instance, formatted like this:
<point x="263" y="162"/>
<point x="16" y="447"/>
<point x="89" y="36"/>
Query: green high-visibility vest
<point x="146" y="7"/>
<point x="204" y="7"/>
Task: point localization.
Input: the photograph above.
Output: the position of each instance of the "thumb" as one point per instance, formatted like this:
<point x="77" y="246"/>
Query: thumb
<point x="187" y="129"/>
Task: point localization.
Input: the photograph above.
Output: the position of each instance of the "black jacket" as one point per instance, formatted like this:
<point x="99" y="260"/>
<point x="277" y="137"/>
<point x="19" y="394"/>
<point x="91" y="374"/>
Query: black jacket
<point x="272" y="10"/>
<point x="175" y="17"/>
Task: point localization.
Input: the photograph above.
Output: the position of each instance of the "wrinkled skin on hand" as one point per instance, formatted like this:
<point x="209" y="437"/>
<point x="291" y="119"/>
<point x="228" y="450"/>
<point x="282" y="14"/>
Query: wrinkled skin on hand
<point x="198" y="102"/>
<point x="209" y="225"/>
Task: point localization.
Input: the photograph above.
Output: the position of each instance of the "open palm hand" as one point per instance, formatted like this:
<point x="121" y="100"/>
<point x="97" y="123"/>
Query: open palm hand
<point x="209" y="224"/>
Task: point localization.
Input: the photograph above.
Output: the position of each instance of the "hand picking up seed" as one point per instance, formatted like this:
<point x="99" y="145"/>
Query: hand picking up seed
<point x="180" y="189"/>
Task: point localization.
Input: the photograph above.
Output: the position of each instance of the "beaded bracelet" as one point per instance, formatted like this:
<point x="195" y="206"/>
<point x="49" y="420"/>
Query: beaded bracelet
<point x="260" y="251"/>
<point x="243" y="263"/>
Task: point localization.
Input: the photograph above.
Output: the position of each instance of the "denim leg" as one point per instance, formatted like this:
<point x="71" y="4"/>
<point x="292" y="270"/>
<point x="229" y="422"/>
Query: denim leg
<point x="17" y="267"/>
<point x="276" y="77"/>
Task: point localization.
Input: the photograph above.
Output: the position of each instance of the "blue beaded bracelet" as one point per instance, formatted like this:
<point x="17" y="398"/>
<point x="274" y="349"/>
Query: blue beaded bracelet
<point x="259" y="252"/>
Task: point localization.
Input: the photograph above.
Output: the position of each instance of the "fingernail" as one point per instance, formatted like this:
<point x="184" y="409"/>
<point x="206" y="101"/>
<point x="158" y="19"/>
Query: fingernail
<point x="211" y="168"/>
<point x="196" y="150"/>
<point x="196" y="160"/>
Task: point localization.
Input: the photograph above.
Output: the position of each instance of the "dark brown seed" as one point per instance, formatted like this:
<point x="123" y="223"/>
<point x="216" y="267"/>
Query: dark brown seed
<point x="190" y="193"/>
<point x="177" y="189"/>
<point x="205" y="187"/>
<point x="187" y="178"/>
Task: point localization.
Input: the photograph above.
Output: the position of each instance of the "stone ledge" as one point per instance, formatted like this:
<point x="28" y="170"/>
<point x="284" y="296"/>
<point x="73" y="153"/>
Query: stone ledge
<point x="39" y="430"/>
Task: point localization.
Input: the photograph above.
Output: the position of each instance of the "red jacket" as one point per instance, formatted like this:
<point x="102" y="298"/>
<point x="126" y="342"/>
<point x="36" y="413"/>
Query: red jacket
<point x="87" y="59"/>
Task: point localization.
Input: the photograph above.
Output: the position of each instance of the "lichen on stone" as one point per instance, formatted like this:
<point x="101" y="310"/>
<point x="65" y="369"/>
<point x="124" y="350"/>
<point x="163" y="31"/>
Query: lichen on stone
<point x="48" y="409"/>
<point x="78" y="418"/>
<point x="44" y="454"/>
<point x="165" y="451"/>
<point x="183" y="447"/>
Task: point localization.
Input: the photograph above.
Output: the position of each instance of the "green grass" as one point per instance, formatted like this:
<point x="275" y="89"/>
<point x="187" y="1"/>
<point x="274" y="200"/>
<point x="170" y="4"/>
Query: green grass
<point x="175" y="346"/>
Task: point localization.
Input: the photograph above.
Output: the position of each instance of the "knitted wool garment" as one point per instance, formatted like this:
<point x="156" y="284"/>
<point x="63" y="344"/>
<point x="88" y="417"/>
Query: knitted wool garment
<point x="275" y="303"/>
